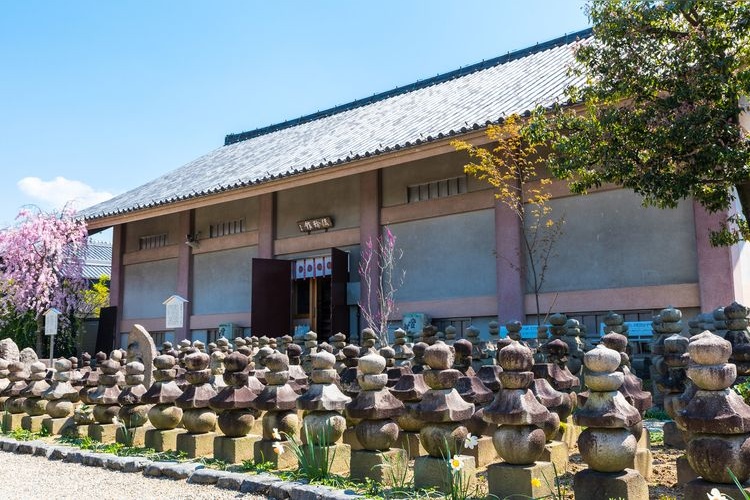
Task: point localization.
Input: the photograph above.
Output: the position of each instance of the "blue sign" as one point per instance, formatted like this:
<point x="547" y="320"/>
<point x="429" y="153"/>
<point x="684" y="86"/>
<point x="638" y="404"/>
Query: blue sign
<point x="528" y="332"/>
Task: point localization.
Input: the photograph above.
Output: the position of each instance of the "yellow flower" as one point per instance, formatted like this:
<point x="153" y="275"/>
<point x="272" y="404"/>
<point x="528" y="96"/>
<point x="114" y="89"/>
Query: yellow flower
<point x="456" y="464"/>
<point x="535" y="482"/>
<point x="276" y="434"/>
<point x="278" y="448"/>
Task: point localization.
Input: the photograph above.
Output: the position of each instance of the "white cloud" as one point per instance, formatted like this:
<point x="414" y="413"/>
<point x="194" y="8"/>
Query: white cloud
<point x="61" y="191"/>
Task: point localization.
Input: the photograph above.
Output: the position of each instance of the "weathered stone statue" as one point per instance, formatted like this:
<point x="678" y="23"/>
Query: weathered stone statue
<point x="717" y="420"/>
<point x="107" y="406"/>
<point x="61" y="398"/>
<point x="14" y="411"/>
<point x="375" y="408"/>
<point x="236" y="414"/>
<point x="613" y="427"/>
<point x="133" y="414"/>
<point x="520" y="437"/>
<point x="34" y="405"/>
<point x="323" y="424"/>
<point x="164" y="415"/>
<point x="197" y="417"/>
<point x="280" y="421"/>
<point x="738" y="335"/>
<point x="443" y="411"/>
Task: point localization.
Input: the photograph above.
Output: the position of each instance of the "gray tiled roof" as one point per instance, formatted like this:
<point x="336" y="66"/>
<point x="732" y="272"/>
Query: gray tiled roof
<point x="98" y="260"/>
<point x="432" y="109"/>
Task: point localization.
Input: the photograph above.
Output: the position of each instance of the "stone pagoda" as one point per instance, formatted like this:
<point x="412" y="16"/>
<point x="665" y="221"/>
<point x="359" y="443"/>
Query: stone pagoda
<point x="374" y="408"/>
<point x="107" y="405"/>
<point x="717" y="421"/>
<point x="133" y="412"/>
<point x="280" y="421"/>
<point x="34" y="405"/>
<point x="323" y="424"/>
<point x="62" y="399"/>
<point x="198" y="419"/>
<point x="164" y="415"/>
<point x="236" y="414"/>
<point x="444" y="413"/>
<point x="613" y="427"/>
<point x="738" y="335"/>
<point x="14" y="412"/>
<point x="520" y="438"/>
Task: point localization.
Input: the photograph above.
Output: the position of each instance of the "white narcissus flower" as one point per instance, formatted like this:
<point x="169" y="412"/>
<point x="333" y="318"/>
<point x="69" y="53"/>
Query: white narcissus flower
<point x="456" y="463"/>
<point x="278" y="448"/>
<point x="276" y="434"/>
<point x="471" y="441"/>
<point x="715" y="494"/>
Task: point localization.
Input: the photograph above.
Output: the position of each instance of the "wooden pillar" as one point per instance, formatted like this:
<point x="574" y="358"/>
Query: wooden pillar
<point x="185" y="271"/>
<point x="369" y="227"/>
<point x="266" y="219"/>
<point x="508" y="261"/>
<point x="716" y="265"/>
<point x="117" y="274"/>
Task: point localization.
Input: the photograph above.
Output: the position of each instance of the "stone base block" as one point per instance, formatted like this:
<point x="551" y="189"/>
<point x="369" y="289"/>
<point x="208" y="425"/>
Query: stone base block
<point x="350" y="438"/>
<point x="506" y="480"/>
<point x="104" y="433"/>
<point x="33" y="424"/>
<point x="257" y="428"/>
<point x="410" y="442"/>
<point x="264" y="452"/>
<point x="134" y="436"/>
<point x="432" y="472"/>
<point x="2" y="402"/>
<point x="233" y="450"/>
<point x="162" y="440"/>
<point x="12" y="421"/>
<point x="644" y="463"/>
<point x="339" y="455"/>
<point x="58" y="426"/>
<point x="698" y="489"/>
<point x="673" y="436"/>
<point x="626" y="484"/>
<point x="196" y="445"/>
<point x="387" y="467"/>
<point x="569" y="433"/>
<point x="558" y="454"/>
<point x="685" y="472"/>
<point x="484" y="452"/>
<point x="76" y="431"/>
<point x="645" y="440"/>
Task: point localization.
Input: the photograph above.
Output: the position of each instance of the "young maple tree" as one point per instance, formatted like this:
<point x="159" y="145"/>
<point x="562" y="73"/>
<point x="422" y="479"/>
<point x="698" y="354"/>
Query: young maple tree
<point x="41" y="265"/>
<point x="377" y="270"/>
<point x="513" y="167"/>
<point x="661" y="110"/>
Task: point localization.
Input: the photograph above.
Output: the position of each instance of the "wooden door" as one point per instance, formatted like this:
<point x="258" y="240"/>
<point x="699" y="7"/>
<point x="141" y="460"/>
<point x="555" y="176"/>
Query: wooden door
<point x="271" y="306"/>
<point x="339" y="279"/>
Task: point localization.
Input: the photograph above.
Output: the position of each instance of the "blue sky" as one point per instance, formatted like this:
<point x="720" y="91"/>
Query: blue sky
<point x="99" y="97"/>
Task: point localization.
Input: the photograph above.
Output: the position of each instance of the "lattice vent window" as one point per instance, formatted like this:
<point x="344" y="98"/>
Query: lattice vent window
<point x="152" y="241"/>
<point x="226" y="228"/>
<point x="437" y="189"/>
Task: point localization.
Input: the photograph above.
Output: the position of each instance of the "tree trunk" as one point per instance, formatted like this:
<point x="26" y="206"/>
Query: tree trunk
<point x="39" y="335"/>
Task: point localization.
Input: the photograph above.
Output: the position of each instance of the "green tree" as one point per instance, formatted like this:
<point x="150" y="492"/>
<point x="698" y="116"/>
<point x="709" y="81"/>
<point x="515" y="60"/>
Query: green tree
<point x="658" y="110"/>
<point x="514" y="168"/>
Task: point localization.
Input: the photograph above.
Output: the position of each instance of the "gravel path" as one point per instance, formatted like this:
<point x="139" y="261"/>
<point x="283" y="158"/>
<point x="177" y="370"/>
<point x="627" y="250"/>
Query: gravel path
<point x="31" y="477"/>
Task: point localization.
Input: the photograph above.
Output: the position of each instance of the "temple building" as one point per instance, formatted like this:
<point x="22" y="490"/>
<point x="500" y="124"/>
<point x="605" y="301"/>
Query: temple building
<point x="265" y="233"/>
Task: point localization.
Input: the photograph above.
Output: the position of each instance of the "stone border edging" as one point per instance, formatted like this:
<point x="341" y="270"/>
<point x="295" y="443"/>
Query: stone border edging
<point x="258" y="484"/>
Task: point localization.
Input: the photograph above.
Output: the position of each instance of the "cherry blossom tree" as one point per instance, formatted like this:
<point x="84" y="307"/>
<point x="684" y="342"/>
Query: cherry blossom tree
<point x="41" y="265"/>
